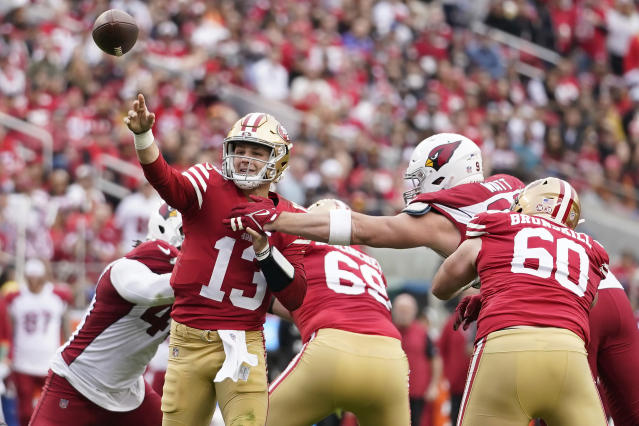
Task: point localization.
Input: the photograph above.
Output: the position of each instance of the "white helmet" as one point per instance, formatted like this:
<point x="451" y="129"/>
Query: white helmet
<point x="442" y="161"/>
<point x="165" y="224"/>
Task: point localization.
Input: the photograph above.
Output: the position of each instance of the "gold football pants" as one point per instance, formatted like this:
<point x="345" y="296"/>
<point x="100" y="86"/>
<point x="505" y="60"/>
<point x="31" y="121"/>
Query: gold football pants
<point x="364" y="374"/>
<point x="530" y="372"/>
<point x="189" y="393"/>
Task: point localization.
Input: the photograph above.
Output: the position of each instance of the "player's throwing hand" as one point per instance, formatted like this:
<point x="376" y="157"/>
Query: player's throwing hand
<point x="139" y="119"/>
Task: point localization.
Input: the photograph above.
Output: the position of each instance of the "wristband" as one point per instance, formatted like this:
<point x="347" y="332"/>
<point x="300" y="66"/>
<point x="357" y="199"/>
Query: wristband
<point x="264" y="253"/>
<point x="340" y="227"/>
<point x="143" y="140"/>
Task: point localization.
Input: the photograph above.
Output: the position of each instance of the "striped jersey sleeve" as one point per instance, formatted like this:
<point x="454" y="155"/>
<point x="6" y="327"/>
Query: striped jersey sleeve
<point x="477" y="226"/>
<point x="197" y="176"/>
<point x="488" y="222"/>
<point x="181" y="190"/>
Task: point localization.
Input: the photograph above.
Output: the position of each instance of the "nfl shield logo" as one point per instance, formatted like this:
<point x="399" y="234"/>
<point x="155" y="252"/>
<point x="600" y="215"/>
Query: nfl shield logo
<point x="64" y="403"/>
<point x="176" y="352"/>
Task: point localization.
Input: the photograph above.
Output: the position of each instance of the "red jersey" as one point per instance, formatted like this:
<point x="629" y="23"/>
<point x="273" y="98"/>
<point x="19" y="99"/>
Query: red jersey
<point x="346" y="290"/>
<point x="534" y="272"/>
<point x="460" y="203"/>
<point x="217" y="280"/>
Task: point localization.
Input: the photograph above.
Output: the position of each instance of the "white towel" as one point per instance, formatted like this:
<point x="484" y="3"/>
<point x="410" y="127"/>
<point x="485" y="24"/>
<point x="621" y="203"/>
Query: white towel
<point x="237" y="355"/>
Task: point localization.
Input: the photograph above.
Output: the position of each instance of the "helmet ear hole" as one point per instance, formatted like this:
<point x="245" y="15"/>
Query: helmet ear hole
<point x="438" y="180"/>
<point x="161" y="228"/>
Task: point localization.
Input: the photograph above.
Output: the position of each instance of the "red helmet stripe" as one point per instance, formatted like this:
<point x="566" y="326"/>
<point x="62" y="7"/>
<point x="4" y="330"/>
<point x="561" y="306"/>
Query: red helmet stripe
<point x="244" y="123"/>
<point x="559" y="202"/>
<point x="570" y="200"/>
<point x="252" y="120"/>
<point x="562" y="209"/>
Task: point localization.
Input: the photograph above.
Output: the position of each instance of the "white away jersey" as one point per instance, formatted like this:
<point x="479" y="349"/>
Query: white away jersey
<point x="126" y="321"/>
<point x="37" y="324"/>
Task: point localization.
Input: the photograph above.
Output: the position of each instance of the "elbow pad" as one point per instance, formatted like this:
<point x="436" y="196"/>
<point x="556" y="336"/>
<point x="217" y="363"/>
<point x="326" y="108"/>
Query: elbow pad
<point x="278" y="271"/>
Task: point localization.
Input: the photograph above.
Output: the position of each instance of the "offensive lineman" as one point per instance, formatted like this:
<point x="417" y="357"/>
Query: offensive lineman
<point x="539" y="280"/>
<point x="352" y="358"/>
<point x="96" y="376"/>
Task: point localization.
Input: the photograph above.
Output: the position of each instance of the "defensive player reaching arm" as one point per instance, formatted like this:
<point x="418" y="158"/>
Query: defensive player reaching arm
<point x="96" y="376"/>
<point x="539" y="279"/>
<point x="448" y="190"/>
<point x="221" y="292"/>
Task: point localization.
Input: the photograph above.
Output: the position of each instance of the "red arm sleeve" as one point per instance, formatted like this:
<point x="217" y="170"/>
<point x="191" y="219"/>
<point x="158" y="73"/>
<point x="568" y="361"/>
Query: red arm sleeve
<point x="174" y="187"/>
<point x="293" y="294"/>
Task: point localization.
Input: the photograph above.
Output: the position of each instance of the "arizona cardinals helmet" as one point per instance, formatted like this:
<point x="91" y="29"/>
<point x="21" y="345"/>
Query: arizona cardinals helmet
<point x="165" y="224"/>
<point x="262" y="129"/>
<point x="551" y="198"/>
<point x="442" y="161"/>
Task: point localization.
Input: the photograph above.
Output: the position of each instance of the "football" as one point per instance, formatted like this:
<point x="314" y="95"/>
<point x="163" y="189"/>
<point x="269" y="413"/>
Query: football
<point x="115" y="32"/>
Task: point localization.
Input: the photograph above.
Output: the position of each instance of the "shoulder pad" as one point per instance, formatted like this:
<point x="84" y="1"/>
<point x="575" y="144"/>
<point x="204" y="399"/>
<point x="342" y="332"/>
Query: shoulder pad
<point x="417" y="209"/>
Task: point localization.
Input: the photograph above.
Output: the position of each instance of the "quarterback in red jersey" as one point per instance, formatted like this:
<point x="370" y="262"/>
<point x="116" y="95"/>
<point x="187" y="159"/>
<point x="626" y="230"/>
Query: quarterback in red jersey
<point x="352" y="358"/>
<point x="95" y="379"/>
<point x="223" y="280"/>
<point x="449" y="189"/>
<point x="539" y="280"/>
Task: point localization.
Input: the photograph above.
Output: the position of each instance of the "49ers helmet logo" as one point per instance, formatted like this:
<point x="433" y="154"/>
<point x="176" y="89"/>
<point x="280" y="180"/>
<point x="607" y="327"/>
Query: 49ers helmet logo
<point x="441" y="154"/>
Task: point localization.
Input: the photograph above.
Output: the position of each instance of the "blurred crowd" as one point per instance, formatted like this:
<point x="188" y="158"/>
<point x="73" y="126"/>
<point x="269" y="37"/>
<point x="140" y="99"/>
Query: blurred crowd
<point x="370" y="79"/>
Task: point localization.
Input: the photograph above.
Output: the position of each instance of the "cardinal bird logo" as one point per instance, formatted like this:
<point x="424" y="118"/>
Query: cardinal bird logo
<point x="441" y="154"/>
<point x="167" y="212"/>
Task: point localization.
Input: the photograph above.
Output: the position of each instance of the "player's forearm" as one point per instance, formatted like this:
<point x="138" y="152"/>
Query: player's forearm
<point x="292" y="295"/>
<point x="145" y="147"/>
<point x="374" y="231"/>
<point x="451" y="277"/>
<point x="317" y="227"/>
<point x="170" y="184"/>
<point x="159" y="174"/>
<point x="311" y="226"/>
<point x="148" y="155"/>
<point x="457" y="270"/>
<point x="279" y="310"/>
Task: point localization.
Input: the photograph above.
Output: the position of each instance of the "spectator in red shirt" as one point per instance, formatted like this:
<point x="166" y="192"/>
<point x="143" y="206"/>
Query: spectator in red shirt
<point x="423" y="360"/>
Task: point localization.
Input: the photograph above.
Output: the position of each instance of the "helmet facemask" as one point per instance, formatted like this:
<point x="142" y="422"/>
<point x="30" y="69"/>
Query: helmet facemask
<point x="247" y="179"/>
<point x="418" y="179"/>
